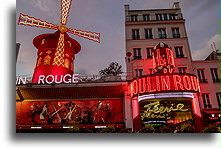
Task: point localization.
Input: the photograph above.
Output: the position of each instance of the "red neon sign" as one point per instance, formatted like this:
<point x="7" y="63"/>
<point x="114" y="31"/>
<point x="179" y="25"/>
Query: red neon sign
<point x="163" y="59"/>
<point x="164" y="83"/>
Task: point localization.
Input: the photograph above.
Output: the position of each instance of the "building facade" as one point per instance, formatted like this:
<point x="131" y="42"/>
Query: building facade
<point x="208" y="72"/>
<point x="163" y="86"/>
<point x="146" y="28"/>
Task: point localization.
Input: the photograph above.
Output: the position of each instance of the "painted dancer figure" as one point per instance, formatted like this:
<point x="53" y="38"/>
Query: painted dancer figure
<point x="42" y="114"/>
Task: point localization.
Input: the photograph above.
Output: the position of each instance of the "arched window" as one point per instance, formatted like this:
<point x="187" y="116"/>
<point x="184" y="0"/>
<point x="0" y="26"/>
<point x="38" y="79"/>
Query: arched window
<point x="72" y="66"/>
<point x="39" y="61"/>
<point x="66" y="63"/>
<point x="69" y="43"/>
<point x="49" y="52"/>
<point x="47" y="60"/>
<point x="43" y="41"/>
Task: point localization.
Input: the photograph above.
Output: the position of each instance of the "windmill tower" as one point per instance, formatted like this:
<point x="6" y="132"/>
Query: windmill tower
<point x="56" y="51"/>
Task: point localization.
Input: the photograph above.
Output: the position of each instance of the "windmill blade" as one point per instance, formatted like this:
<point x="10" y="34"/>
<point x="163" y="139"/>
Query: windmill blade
<point x="86" y="34"/>
<point x="59" y="53"/>
<point x="31" y="21"/>
<point x="65" y="9"/>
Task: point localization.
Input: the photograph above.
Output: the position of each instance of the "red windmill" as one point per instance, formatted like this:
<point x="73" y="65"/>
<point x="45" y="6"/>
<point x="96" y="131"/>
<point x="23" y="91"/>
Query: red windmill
<point x="56" y="51"/>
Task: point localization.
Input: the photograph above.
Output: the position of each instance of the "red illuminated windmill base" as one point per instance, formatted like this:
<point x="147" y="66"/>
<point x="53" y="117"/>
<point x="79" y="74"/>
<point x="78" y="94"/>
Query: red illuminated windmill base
<point x="63" y="49"/>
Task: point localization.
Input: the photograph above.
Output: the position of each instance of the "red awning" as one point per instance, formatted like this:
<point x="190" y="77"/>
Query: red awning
<point x="212" y="111"/>
<point x="92" y="90"/>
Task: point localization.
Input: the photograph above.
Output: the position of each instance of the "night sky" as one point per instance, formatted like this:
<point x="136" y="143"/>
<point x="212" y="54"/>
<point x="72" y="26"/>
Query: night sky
<point x="107" y="18"/>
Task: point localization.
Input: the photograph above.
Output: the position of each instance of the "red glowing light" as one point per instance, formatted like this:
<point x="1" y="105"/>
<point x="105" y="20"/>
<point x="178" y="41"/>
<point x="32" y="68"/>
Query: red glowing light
<point x="163" y="59"/>
<point x="164" y="83"/>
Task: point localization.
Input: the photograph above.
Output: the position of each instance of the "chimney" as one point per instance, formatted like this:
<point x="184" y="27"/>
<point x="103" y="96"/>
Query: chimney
<point x="176" y="5"/>
<point x="126" y="8"/>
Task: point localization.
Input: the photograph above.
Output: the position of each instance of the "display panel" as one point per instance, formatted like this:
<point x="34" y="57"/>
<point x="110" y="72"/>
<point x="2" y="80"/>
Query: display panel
<point x="165" y="111"/>
<point x="69" y="112"/>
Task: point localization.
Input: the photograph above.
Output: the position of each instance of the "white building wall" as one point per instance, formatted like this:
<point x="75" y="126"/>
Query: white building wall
<point x="143" y="43"/>
<point x="211" y="87"/>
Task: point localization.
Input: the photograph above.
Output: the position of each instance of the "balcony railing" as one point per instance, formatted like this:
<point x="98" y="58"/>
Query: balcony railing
<point x="180" y="56"/>
<point x="137" y="57"/>
<point x="203" y="80"/>
<point x="162" y="36"/>
<point x="135" y="37"/>
<point x="148" y="36"/>
<point x="207" y="106"/>
<point x="176" y="35"/>
<point x="216" y="80"/>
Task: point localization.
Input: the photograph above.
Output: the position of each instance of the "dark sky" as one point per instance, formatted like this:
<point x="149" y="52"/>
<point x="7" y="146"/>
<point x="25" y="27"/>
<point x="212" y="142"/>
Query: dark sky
<point x="107" y="17"/>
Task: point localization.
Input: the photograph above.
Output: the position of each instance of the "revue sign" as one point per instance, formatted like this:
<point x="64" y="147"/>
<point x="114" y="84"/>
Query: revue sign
<point x="164" y="83"/>
<point x="156" y="110"/>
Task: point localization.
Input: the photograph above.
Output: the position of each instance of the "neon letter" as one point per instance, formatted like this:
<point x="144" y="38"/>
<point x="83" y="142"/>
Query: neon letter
<point x="149" y="85"/>
<point x="64" y="78"/>
<point x="170" y="58"/>
<point x="157" y="83"/>
<point x="75" y="78"/>
<point x="177" y="80"/>
<point x="41" y="78"/>
<point x="165" y="82"/>
<point x="56" y="77"/>
<point x="142" y="85"/>
<point x="187" y="83"/>
<point x="49" y="82"/>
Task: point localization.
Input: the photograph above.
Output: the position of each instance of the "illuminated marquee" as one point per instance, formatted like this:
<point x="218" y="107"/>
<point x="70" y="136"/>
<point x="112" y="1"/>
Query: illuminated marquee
<point x="165" y="111"/>
<point x="164" y="83"/>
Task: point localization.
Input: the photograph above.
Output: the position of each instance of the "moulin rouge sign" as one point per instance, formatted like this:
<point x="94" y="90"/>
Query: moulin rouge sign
<point x="164" y="83"/>
<point x="49" y="79"/>
<point x="164" y="79"/>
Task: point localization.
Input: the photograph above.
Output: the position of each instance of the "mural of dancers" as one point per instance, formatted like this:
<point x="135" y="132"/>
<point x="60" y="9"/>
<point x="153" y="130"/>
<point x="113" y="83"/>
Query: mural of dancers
<point x="71" y="112"/>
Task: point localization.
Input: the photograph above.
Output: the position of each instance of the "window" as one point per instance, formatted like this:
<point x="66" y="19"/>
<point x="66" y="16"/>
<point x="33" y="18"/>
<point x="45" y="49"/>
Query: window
<point x="218" y="99"/>
<point x="148" y="34"/>
<point x="69" y="43"/>
<point x="162" y="33"/>
<point x="206" y="101"/>
<point x="133" y="18"/>
<point x="149" y="53"/>
<point x="159" y="17"/>
<point x="172" y="16"/>
<point x="139" y="72"/>
<point x="179" y="52"/>
<point x="49" y="52"/>
<point x="135" y="34"/>
<point x="146" y="17"/>
<point x="182" y="69"/>
<point x="152" y="71"/>
<point x="72" y="66"/>
<point x="66" y="63"/>
<point x="43" y="42"/>
<point x="137" y="53"/>
<point x="165" y="17"/>
<point x="47" y="60"/>
<point x="39" y="61"/>
<point x="201" y="76"/>
<point x="176" y="33"/>
<point x="214" y="74"/>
